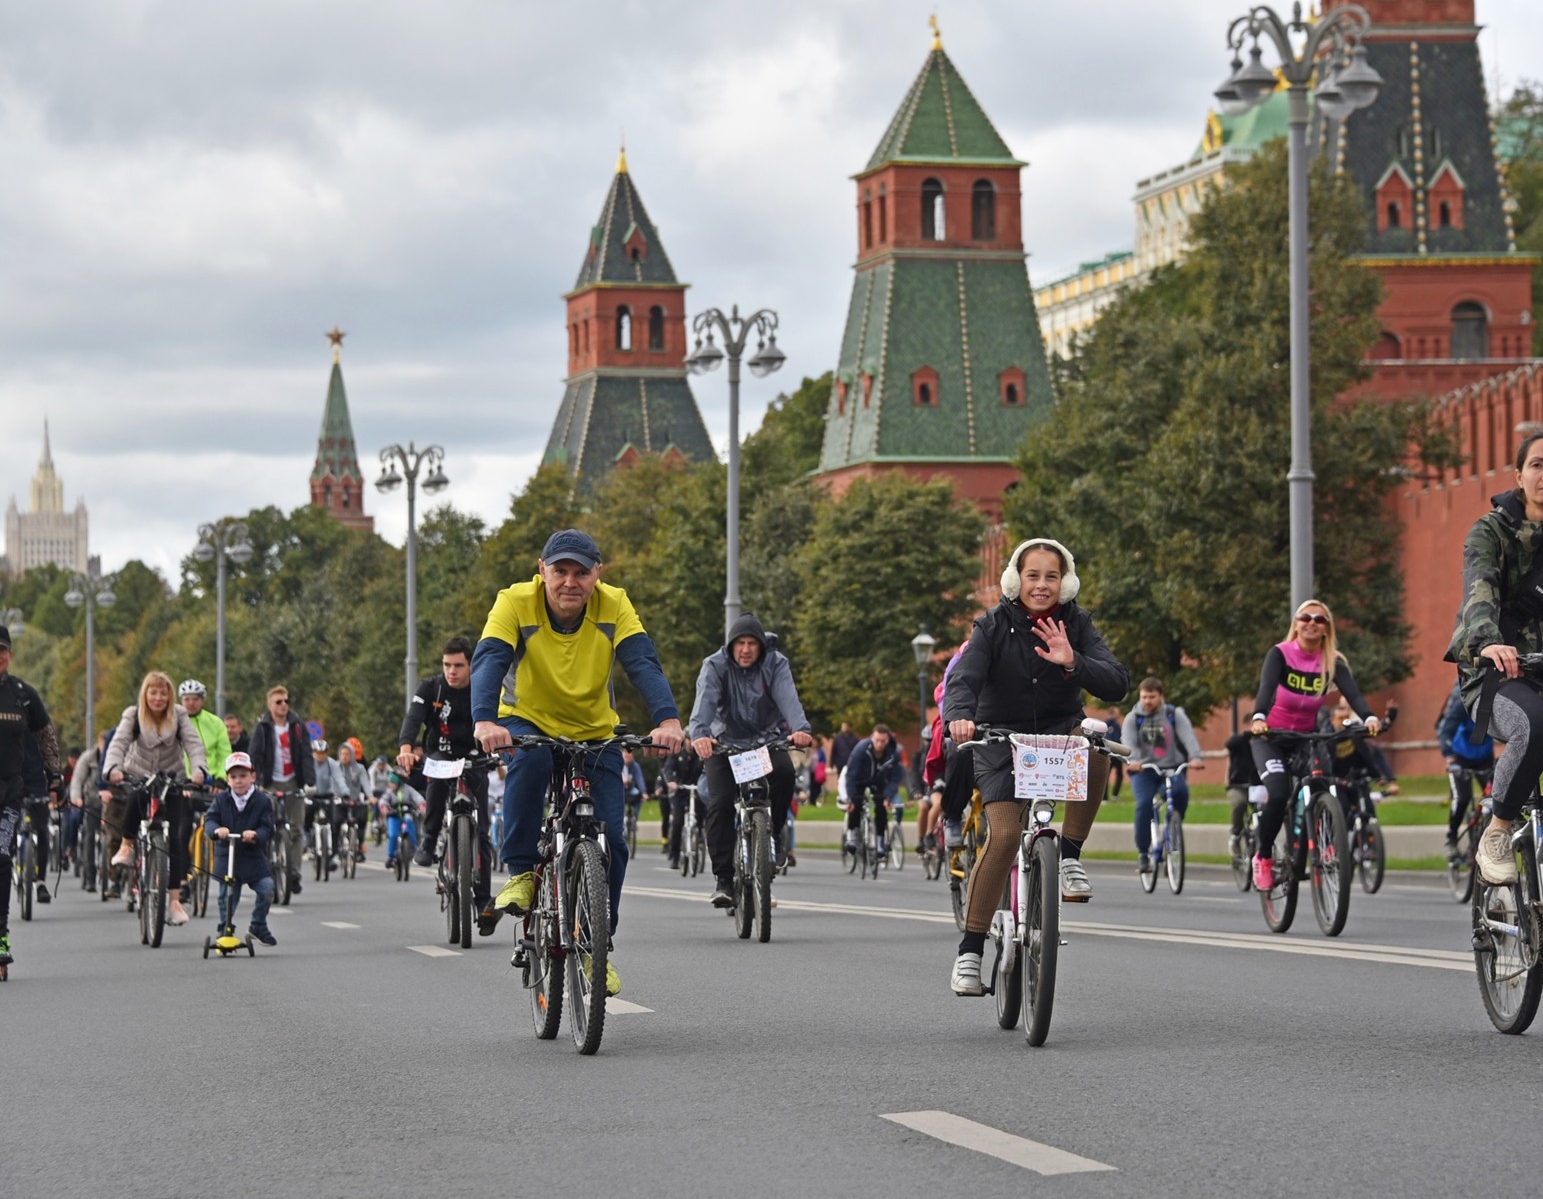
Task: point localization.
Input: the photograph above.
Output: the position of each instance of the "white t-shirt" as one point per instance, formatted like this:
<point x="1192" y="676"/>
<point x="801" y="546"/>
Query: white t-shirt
<point x="284" y="763"/>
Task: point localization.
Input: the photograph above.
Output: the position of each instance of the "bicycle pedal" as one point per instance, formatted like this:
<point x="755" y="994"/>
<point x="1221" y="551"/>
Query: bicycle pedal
<point x="518" y="960"/>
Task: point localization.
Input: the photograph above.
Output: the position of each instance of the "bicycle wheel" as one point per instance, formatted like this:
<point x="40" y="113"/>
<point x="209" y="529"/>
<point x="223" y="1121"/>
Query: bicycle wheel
<point x="141" y="889"/>
<point x="1507" y="960"/>
<point x="465" y="861"/>
<point x="1008" y="984"/>
<point x="1243" y="859"/>
<point x="687" y="851"/>
<point x="1372" y="861"/>
<point x="959" y="876"/>
<point x="26" y="876"/>
<point x="698" y="851"/>
<point x="761" y="874"/>
<point x="404" y="857"/>
<point x="1280" y="901"/>
<point x="1329" y="863"/>
<point x="1041" y="938"/>
<point x="848" y="854"/>
<point x="1173" y="855"/>
<point x="589" y="908"/>
<point x="543" y="974"/>
<point x="87" y="854"/>
<point x="156" y="897"/>
<point x="744" y="885"/>
<point x="896" y="845"/>
<point x="449" y="903"/>
<point x="1460" y="867"/>
<point x="1148" y="876"/>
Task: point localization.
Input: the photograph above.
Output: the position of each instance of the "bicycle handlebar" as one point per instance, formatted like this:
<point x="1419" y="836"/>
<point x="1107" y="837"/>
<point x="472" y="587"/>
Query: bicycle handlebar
<point x="722" y="749"/>
<point x="1165" y="771"/>
<point x="989" y="735"/>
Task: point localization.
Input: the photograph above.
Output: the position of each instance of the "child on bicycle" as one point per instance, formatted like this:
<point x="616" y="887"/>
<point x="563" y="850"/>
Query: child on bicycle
<point x="1464" y="754"/>
<point x="1159" y="734"/>
<point x="241" y="820"/>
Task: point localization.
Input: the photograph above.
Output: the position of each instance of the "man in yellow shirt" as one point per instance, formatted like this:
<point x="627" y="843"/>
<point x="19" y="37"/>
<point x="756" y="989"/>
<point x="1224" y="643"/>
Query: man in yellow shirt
<point x="543" y="665"/>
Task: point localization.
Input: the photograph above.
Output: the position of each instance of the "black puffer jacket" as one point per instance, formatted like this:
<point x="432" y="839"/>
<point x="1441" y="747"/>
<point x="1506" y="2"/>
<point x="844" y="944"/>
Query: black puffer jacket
<point x="1001" y="681"/>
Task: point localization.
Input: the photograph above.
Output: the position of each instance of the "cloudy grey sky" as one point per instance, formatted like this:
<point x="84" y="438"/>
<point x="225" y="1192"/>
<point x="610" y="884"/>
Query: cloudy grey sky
<point x="191" y="193"/>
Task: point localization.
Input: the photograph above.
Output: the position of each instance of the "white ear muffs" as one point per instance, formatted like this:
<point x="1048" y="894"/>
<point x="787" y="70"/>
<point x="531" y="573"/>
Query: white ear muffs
<point x="1070" y="583"/>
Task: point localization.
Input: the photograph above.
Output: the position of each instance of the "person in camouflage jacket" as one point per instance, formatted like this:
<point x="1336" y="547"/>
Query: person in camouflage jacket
<point x="1492" y="631"/>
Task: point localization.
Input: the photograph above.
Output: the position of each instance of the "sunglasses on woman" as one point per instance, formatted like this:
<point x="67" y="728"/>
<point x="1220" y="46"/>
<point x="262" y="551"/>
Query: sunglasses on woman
<point x="1313" y="618"/>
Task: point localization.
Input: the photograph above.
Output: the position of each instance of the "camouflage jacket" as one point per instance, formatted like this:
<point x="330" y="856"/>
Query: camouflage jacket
<point x="1500" y="549"/>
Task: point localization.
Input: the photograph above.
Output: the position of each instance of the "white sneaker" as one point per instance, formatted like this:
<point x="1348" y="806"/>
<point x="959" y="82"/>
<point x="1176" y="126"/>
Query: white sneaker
<point x="953" y="834"/>
<point x="1075" y="885"/>
<point x="1495" y="858"/>
<point x="966" y="978"/>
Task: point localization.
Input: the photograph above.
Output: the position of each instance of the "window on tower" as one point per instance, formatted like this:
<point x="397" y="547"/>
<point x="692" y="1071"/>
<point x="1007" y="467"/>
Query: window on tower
<point x="883" y="215"/>
<point x="1470" y="331"/>
<point x="656" y="328"/>
<point x="623" y="328"/>
<point x="934" y="227"/>
<point x="1445" y="214"/>
<point x="1395" y="215"/>
<point x="867" y="220"/>
<point x="983" y="211"/>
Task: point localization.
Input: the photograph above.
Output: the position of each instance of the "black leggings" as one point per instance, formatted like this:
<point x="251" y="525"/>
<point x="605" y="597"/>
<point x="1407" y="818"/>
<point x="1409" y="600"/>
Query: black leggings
<point x="179" y="819"/>
<point x="1274" y="766"/>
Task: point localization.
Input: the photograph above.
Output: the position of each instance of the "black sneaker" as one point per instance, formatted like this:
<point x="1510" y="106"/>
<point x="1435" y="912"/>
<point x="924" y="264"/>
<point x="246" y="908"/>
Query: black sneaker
<point x="781" y="855"/>
<point x="263" y="935"/>
<point x="424" y="856"/>
<point x="487" y="918"/>
<point x="42" y="895"/>
<point x="1143" y="863"/>
<point x="792" y="859"/>
<point x="294" y="885"/>
<point x="183" y="895"/>
<point x="723" y="894"/>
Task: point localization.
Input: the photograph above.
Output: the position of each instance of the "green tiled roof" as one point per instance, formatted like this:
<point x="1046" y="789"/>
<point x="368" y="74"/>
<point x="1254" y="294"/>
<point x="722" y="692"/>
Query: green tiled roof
<point x="601" y="415"/>
<point x="1249" y="131"/>
<point x="607" y="259"/>
<point x="940" y="120"/>
<point x="336" y="454"/>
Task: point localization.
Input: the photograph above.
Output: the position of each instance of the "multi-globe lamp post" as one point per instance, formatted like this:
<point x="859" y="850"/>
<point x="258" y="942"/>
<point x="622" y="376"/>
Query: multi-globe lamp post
<point x="412" y="461"/>
<point x="922" y="646"/>
<point x="94" y="590"/>
<point x="217" y="541"/>
<point x="735" y="331"/>
<point x="1331" y="48"/>
<point x="11" y="618"/>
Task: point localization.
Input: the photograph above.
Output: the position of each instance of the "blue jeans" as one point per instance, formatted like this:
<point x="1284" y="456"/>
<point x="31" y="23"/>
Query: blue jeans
<point x="525" y="792"/>
<point x="1147" y="786"/>
<point x="230" y="897"/>
<point x="394" y="826"/>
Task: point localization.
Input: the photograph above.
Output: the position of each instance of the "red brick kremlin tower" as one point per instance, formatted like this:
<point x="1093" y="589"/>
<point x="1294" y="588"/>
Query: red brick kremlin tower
<point x="337" y="484"/>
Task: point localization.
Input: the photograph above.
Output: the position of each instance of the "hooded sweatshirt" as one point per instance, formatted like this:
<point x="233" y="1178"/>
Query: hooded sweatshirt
<point x="742" y="704"/>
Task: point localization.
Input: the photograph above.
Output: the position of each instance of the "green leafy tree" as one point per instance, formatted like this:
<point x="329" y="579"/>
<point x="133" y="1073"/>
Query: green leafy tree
<point x="787" y="445"/>
<point x="1164" y="466"/>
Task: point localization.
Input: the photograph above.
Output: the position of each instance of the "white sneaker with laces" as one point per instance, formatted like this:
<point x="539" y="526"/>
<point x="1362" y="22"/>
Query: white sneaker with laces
<point x="1076" y="887"/>
<point x="1495" y="858"/>
<point x="966" y="977"/>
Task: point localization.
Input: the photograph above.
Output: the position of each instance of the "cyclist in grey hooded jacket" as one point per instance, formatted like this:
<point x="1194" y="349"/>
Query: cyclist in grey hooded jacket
<point x="744" y="694"/>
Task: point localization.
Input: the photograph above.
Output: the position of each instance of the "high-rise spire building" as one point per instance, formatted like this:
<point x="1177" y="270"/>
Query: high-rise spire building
<point x="46" y="534"/>
<point x="627" y="392"/>
<point x="942" y="369"/>
<point x="337" y="483"/>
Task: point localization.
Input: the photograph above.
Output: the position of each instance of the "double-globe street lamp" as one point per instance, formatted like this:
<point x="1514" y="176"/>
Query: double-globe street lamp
<point x="735" y="331"/>
<point x="1331" y="47"/>
<point x="94" y="590"/>
<point x="12" y="620"/>
<point x="412" y="460"/>
<point x="217" y="541"/>
<point x="922" y="646"/>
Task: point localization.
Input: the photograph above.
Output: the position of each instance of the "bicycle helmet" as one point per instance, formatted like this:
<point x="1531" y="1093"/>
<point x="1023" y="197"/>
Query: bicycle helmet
<point x="192" y="687"/>
<point x="318" y="746"/>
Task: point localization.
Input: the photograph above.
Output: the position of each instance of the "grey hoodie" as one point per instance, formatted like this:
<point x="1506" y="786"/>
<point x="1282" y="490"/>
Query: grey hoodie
<point x="744" y="704"/>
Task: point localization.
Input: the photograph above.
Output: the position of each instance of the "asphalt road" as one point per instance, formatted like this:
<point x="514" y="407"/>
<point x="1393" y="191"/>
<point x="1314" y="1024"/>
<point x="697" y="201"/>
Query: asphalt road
<point x="1191" y="1053"/>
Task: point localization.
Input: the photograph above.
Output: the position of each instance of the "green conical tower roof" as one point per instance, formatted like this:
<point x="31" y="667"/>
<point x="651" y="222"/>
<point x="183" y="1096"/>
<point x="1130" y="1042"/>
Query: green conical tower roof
<point x="941" y="121"/>
<point x="624" y="226"/>
<point x="336" y="454"/>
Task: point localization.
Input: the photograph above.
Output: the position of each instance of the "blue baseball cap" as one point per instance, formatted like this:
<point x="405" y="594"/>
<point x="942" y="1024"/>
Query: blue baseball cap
<point x="570" y="545"/>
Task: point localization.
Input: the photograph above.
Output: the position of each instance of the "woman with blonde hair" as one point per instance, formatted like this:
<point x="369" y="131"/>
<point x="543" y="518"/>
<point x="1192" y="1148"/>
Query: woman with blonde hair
<point x="153" y="735"/>
<point x="1297" y="674"/>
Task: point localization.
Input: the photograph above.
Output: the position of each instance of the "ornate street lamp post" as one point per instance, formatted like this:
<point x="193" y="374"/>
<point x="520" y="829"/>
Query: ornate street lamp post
<point x="735" y="330"/>
<point x="1330" y="46"/>
<point x="224" y="538"/>
<point x="94" y="590"/>
<point x="412" y="460"/>
<point x="922" y="646"/>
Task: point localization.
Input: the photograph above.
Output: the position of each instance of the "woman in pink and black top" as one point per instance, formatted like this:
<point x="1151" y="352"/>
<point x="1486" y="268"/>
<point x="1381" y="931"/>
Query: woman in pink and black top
<point x="1292" y="686"/>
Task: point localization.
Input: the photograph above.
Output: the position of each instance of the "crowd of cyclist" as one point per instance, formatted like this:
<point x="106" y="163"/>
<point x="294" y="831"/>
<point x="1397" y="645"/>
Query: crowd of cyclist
<point x="544" y="664"/>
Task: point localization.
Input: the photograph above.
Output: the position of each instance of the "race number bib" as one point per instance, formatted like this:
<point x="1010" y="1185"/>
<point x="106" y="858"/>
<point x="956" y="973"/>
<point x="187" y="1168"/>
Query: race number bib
<point x="752" y="765"/>
<point x="443" y="768"/>
<point x="1054" y="768"/>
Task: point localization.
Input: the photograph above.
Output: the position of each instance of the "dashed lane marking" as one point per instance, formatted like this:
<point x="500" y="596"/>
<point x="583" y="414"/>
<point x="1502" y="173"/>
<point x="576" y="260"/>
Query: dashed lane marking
<point x="621" y="1007"/>
<point x="435" y="951"/>
<point x="338" y="924"/>
<point x="1004" y="1146"/>
<point x="1390" y="955"/>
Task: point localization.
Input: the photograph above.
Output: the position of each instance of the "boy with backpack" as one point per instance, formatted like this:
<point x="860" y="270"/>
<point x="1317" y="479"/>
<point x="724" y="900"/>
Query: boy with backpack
<point x="1464" y="754"/>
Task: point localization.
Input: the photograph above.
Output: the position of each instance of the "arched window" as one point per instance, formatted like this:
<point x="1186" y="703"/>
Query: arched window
<point x="326" y="495"/>
<point x="1470" y="331"/>
<point x="1387" y="348"/>
<point x="1010" y="395"/>
<point x="924" y="395"/>
<point x="345" y="495"/>
<point x="883" y="215"/>
<point x="933" y="226"/>
<point x="1445" y="214"/>
<point x="1395" y="215"/>
<point x="983" y="211"/>
<point x="656" y="328"/>
<point x="623" y="328"/>
<point x="867" y="220"/>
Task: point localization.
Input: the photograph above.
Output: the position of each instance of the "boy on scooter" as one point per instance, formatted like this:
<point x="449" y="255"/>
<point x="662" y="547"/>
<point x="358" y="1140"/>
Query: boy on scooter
<point x="242" y="819"/>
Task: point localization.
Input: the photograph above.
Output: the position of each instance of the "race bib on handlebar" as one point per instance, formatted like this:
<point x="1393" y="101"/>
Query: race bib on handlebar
<point x="443" y="768"/>
<point x="751" y="765"/>
<point x="1054" y="768"/>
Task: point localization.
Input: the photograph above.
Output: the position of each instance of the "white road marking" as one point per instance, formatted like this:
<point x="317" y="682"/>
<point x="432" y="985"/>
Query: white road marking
<point x="337" y="924"/>
<point x="620" y="1007"/>
<point x="435" y="951"/>
<point x="982" y="1138"/>
<point x="1392" y="955"/>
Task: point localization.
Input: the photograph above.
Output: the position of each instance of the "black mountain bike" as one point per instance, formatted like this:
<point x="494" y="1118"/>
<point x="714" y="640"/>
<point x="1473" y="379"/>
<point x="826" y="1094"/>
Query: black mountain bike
<point x="754" y="862"/>
<point x="1466" y="845"/>
<point x="152" y="841"/>
<point x="565" y="938"/>
<point x="25" y="863"/>
<point x="457" y="871"/>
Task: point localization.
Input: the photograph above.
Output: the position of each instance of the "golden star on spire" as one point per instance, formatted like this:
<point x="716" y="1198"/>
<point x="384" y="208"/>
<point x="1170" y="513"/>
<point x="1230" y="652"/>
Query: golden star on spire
<point x="937" y="37"/>
<point x="336" y="336"/>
